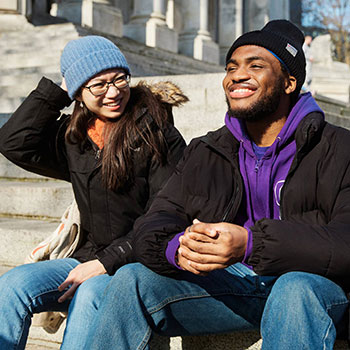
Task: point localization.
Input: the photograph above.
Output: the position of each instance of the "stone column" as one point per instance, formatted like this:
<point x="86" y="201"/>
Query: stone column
<point x="9" y="6"/>
<point x="68" y="9"/>
<point x="158" y="34"/>
<point x="256" y="14"/>
<point x="136" y="28"/>
<point x="148" y="25"/>
<point x="98" y="14"/>
<point x="102" y="16"/>
<point x="170" y="14"/>
<point x="230" y="25"/>
<point x="195" y="40"/>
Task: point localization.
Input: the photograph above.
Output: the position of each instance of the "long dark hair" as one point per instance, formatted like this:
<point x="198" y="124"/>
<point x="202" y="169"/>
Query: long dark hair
<point x="139" y="128"/>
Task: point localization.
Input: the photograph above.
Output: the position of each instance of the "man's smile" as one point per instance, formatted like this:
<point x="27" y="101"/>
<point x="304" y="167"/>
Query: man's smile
<point x="236" y="91"/>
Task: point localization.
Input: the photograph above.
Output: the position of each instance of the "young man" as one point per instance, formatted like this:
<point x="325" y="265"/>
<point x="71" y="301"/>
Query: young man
<point x="253" y="229"/>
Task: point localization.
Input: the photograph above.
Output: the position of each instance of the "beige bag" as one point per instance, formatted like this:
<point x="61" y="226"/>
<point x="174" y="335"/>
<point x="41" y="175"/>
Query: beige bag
<point x="60" y="244"/>
<point x="63" y="241"/>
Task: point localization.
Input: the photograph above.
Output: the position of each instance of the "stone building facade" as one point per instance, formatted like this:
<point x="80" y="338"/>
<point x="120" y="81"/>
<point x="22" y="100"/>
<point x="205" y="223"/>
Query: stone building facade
<point x="202" y="29"/>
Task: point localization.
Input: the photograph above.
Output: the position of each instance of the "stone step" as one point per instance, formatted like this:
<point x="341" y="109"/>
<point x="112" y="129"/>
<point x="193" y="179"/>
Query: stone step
<point x="31" y="34"/>
<point x="7" y="79"/>
<point x="155" y="61"/>
<point x="26" y="72"/>
<point x="28" y="59"/>
<point x="338" y="96"/>
<point x="9" y="104"/>
<point x="19" y="236"/>
<point x="11" y="22"/>
<point x="327" y="76"/>
<point x="21" y="90"/>
<point x="34" y="198"/>
<point x="4" y="118"/>
<point x="11" y="171"/>
<point x="331" y="85"/>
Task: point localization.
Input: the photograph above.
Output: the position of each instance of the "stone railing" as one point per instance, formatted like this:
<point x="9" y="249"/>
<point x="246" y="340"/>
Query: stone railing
<point x="336" y="112"/>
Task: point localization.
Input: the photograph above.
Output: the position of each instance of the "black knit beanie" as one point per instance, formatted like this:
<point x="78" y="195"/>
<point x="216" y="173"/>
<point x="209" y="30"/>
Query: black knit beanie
<point x="283" y="39"/>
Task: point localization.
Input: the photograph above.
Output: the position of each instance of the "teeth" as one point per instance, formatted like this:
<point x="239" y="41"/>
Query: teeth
<point x="112" y="104"/>
<point x="241" y="90"/>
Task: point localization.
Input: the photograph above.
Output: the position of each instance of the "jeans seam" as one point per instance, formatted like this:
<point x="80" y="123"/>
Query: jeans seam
<point x="45" y="291"/>
<point x="328" y="308"/>
<point x="326" y="335"/>
<point x="25" y="315"/>
<point x="145" y="339"/>
<point x="168" y="301"/>
<point x="27" y="307"/>
<point x="336" y="304"/>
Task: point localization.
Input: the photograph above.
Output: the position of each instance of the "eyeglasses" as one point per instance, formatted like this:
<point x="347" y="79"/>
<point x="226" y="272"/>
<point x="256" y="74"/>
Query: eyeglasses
<point x="99" y="89"/>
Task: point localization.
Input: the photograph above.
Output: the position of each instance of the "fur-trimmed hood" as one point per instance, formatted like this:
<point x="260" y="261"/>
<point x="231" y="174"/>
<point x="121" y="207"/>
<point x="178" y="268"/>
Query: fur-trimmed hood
<point x="167" y="93"/>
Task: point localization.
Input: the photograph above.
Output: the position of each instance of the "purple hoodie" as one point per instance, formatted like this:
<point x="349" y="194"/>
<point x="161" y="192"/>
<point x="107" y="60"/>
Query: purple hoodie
<point x="259" y="200"/>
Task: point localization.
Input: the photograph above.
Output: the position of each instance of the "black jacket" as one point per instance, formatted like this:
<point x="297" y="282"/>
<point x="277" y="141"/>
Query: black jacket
<point x="33" y="138"/>
<point x="314" y="232"/>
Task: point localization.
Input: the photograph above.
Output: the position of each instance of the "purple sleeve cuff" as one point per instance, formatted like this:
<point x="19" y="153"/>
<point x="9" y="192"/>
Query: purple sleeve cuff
<point x="249" y="247"/>
<point x="172" y="248"/>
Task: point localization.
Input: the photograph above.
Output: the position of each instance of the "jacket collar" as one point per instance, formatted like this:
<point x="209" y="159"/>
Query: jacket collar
<point x="223" y="142"/>
<point x="307" y="133"/>
<point x="309" y="130"/>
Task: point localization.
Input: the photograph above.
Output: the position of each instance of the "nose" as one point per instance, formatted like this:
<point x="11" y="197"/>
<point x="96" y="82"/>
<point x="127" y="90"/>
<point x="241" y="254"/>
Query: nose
<point x="239" y="74"/>
<point x="112" y="91"/>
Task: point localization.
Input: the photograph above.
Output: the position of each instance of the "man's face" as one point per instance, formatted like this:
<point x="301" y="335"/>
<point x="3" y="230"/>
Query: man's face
<point x="254" y="83"/>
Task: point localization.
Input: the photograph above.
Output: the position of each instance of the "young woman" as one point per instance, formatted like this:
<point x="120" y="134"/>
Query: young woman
<point x="117" y="149"/>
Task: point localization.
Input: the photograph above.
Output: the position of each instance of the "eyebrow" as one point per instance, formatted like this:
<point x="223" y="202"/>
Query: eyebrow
<point x="100" y="80"/>
<point x="249" y="59"/>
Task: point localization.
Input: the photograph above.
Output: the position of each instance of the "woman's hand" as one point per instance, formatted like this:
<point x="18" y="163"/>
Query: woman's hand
<point x="78" y="275"/>
<point x="63" y="85"/>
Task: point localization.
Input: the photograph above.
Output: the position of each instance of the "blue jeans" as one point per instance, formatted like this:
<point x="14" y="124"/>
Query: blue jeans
<point x="138" y="302"/>
<point x="303" y="311"/>
<point x="32" y="288"/>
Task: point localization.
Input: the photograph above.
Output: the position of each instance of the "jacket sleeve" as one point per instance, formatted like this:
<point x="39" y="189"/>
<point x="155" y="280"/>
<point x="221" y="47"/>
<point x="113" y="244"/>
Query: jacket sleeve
<point x="121" y="250"/>
<point x="166" y="217"/>
<point x="311" y="244"/>
<point x="31" y="137"/>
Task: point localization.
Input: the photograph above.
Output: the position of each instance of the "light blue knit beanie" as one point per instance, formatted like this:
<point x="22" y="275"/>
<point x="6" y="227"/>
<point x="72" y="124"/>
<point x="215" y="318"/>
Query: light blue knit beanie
<point x="85" y="57"/>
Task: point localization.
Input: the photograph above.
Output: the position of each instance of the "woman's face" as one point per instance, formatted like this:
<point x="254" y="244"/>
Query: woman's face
<point x="111" y="103"/>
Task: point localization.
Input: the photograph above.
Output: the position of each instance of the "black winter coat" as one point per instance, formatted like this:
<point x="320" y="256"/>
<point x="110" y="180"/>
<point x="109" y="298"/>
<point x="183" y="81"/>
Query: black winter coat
<point x="33" y="138"/>
<point x="314" y="232"/>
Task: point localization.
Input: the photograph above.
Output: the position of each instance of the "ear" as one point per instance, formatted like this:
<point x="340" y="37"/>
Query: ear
<point x="290" y="84"/>
<point x="78" y="98"/>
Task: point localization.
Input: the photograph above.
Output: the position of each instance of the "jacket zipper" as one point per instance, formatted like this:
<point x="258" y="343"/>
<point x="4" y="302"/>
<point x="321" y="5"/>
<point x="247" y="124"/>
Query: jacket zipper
<point x="97" y="154"/>
<point x="257" y="165"/>
<point x="235" y="196"/>
<point x="231" y="204"/>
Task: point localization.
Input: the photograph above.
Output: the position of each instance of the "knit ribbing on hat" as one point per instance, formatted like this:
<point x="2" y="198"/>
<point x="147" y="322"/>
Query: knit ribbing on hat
<point x="85" y="57"/>
<point x="282" y="38"/>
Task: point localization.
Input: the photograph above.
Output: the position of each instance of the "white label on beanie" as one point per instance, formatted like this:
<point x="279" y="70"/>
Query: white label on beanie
<point x="292" y="50"/>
